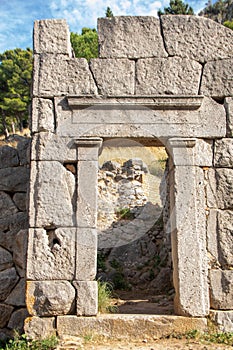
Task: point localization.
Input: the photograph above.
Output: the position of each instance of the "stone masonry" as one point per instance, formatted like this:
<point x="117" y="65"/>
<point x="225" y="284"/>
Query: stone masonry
<point x="170" y="83"/>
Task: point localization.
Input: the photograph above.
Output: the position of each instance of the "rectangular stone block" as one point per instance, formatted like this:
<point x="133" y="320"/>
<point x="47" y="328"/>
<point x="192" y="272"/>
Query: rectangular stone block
<point x="223" y="155"/>
<point x="87" y="194"/>
<point x="224" y="188"/>
<point x="52" y="36"/>
<point x="173" y="75"/>
<point x="40" y="328"/>
<point x="52" y="195"/>
<point x="88" y="149"/>
<point x="57" y="75"/>
<point x="225" y="239"/>
<point x="114" y="76"/>
<point x="86" y="254"/>
<point x="48" y="146"/>
<point x="216" y="80"/>
<point x="228" y="103"/>
<point x="221" y="289"/>
<point x="50" y="298"/>
<point x="223" y="320"/>
<point x="211" y="197"/>
<point x="117" y="37"/>
<point x="51" y="254"/>
<point x="196" y="38"/>
<point x="204" y="153"/>
<point x="43" y="118"/>
<point x="212" y="240"/>
<point x="87" y="298"/>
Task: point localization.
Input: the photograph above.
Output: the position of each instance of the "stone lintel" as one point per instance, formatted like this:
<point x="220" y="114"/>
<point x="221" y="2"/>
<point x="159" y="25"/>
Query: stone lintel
<point x="153" y="102"/>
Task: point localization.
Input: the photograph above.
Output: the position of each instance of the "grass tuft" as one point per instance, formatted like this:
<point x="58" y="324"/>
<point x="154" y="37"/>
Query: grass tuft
<point x="105" y="297"/>
<point x="23" y="343"/>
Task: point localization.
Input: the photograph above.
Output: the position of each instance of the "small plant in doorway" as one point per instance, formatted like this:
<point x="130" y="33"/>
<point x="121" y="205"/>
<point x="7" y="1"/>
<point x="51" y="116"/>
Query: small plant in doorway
<point x="105" y="297"/>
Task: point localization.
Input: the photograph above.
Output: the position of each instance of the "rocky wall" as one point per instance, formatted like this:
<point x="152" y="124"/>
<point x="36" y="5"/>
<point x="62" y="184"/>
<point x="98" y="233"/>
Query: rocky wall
<point x="14" y="183"/>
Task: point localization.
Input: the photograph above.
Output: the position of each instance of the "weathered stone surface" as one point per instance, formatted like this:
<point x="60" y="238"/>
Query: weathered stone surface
<point x="223" y="320"/>
<point x="7" y="206"/>
<point x="8" y="279"/>
<point x="20" y="251"/>
<point x="43" y="115"/>
<point x="52" y="195"/>
<point x="10" y="226"/>
<point x="196" y="38"/>
<point x="23" y="148"/>
<point x="20" y="200"/>
<point x="59" y="75"/>
<point x="47" y="298"/>
<point x="211" y="197"/>
<point x="212" y="245"/>
<point x="228" y="103"/>
<point x="39" y="328"/>
<point x="87" y="298"/>
<point x="52" y="36"/>
<point x="17" y="296"/>
<point x="5" y="314"/>
<point x="225" y="241"/>
<point x="223" y="156"/>
<point x="114" y="77"/>
<point x="87" y="194"/>
<point x="8" y="157"/>
<point x="133" y="327"/>
<point x="86" y="257"/>
<point x="221" y="289"/>
<point x="204" y="153"/>
<point x="216" y="80"/>
<point x="51" y="254"/>
<point x="16" y="321"/>
<point x="224" y="190"/>
<point x="5" y="259"/>
<point x="117" y="37"/>
<point x="173" y="75"/>
<point x="48" y="146"/>
<point x="14" y="179"/>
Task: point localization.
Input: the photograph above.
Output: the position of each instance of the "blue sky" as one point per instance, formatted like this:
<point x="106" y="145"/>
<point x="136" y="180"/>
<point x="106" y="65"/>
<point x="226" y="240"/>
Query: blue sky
<point x="17" y="16"/>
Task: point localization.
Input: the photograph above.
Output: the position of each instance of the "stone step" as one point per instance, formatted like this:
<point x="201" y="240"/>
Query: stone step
<point x="121" y="326"/>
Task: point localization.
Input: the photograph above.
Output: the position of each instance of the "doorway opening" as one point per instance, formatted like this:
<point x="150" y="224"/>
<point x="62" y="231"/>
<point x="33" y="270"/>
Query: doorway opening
<point x="134" y="246"/>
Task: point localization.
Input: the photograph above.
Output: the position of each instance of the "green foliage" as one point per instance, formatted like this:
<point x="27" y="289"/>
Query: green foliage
<point x="85" y="44"/>
<point x="177" y="7"/>
<point x="22" y="343"/>
<point x="105" y="297"/>
<point x="211" y="337"/>
<point x="221" y="11"/>
<point x="15" y="84"/>
<point x="124" y="213"/>
<point x="108" y="12"/>
<point x="101" y="265"/>
<point x="228" y="24"/>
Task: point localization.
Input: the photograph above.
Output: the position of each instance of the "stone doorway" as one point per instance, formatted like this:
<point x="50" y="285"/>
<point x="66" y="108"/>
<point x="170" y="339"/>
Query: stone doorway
<point x="134" y="243"/>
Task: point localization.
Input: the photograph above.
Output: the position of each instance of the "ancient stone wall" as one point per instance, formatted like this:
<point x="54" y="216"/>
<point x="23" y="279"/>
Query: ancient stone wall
<point x="14" y="183"/>
<point x="170" y="83"/>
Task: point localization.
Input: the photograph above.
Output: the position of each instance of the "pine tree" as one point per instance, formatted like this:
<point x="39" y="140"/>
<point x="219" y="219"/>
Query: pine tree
<point x="177" y="7"/>
<point x="109" y="12"/>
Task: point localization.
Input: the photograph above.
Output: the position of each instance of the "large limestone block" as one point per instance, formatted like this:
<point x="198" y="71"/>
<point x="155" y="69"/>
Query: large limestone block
<point x="223" y="320"/>
<point x="223" y="156"/>
<point x="173" y="75"/>
<point x="7" y="206"/>
<point x="87" y="298"/>
<point x="221" y="289"/>
<point x="196" y="38"/>
<point x="5" y="259"/>
<point x="20" y="251"/>
<point x="48" y="146"/>
<point x="52" y="195"/>
<point x="5" y="314"/>
<point x="43" y="118"/>
<point x="8" y="279"/>
<point x="114" y="76"/>
<point x="48" y="298"/>
<point x="225" y="239"/>
<point x="39" y="328"/>
<point x="23" y="148"/>
<point x="52" y="36"/>
<point x="224" y="180"/>
<point x="86" y="254"/>
<point x="217" y="78"/>
<point x="17" y="296"/>
<point x="58" y="75"/>
<point x="9" y="227"/>
<point x="228" y="103"/>
<point x="133" y="37"/>
<point x="16" y="321"/>
<point x="14" y="179"/>
<point x="51" y="254"/>
<point x="8" y="157"/>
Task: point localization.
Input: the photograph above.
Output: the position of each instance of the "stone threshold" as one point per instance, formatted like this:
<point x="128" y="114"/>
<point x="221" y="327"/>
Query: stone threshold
<point x="130" y="326"/>
<point x="132" y="102"/>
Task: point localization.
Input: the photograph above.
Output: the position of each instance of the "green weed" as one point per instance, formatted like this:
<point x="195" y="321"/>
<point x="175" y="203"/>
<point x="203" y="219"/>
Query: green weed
<point x="105" y="297"/>
<point x="23" y="343"/>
